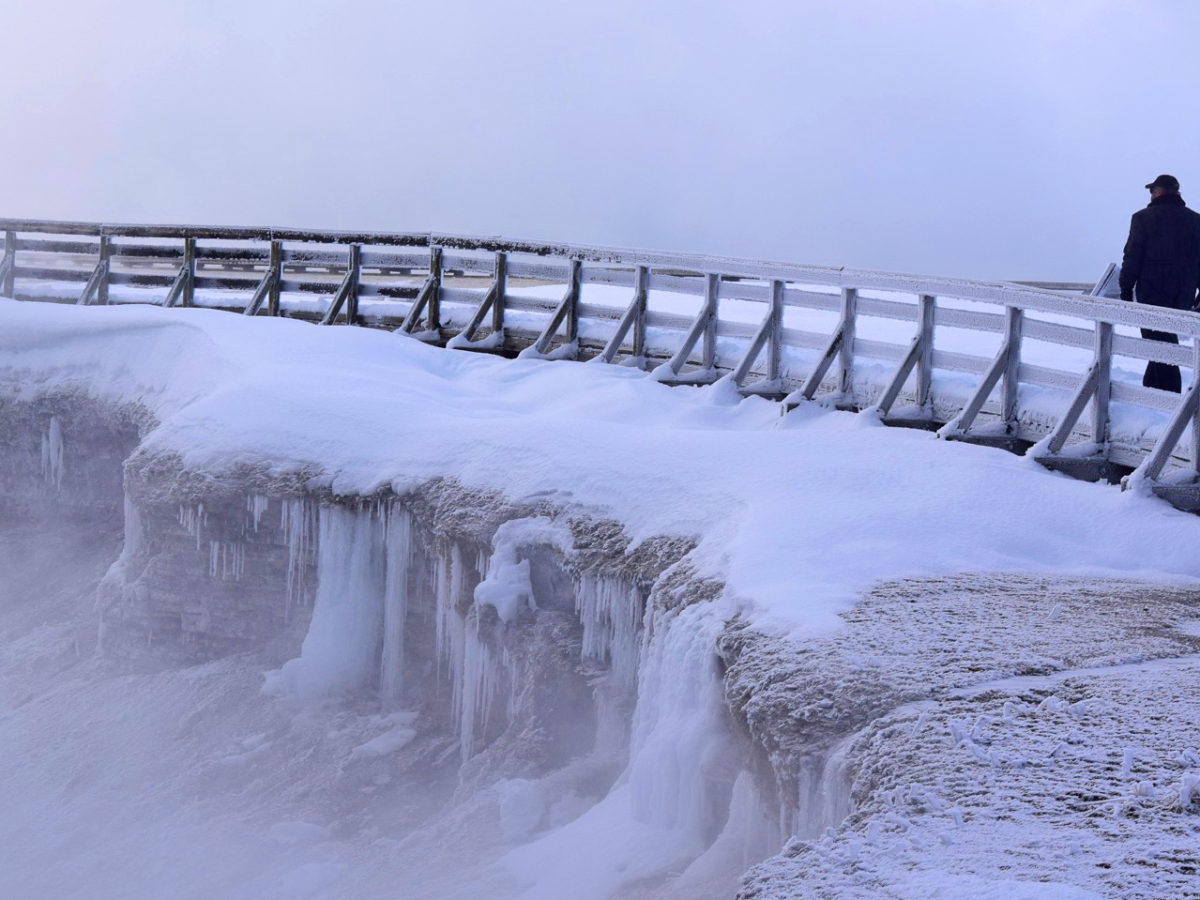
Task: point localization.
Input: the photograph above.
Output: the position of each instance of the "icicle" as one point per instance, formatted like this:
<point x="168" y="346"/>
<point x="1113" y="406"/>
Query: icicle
<point x="610" y="610"/>
<point x="226" y="560"/>
<point x="478" y="680"/>
<point x="339" y="652"/>
<point x="193" y="520"/>
<point x="298" y="522"/>
<point x="679" y="733"/>
<point x="475" y="672"/>
<point x="256" y="505"/>
<point x="52" y="453"/>
<point x="448" y="624"/>
<point x="398" y="549"/>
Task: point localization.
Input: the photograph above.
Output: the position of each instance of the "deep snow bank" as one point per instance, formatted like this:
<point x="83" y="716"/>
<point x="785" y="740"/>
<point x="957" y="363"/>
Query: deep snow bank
<point x="797" y="515"/>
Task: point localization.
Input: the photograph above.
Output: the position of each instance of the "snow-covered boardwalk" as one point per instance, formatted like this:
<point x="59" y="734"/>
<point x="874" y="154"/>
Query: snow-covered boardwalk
<point x="1053" y="374"/>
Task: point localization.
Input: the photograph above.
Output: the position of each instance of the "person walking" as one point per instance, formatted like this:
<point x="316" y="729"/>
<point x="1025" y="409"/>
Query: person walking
<point x="1161" y="266"/>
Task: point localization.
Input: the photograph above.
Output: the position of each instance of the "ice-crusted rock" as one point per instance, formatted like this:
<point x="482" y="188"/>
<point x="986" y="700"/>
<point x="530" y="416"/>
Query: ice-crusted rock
<point x="61" y="454"/>
<point x="977" y="725"/>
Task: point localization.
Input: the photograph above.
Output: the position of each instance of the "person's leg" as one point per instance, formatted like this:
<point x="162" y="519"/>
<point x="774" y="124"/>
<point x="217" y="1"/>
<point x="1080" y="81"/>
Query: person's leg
<point x="1160" y="375"/>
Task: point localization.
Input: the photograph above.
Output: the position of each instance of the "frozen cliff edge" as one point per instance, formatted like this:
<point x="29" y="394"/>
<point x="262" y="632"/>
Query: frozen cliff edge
<point x="524" y="671"/>
<point x="529" y="504"/>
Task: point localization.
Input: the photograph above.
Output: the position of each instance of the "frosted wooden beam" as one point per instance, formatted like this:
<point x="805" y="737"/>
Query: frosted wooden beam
<point x="846" y="347"/>
<point x="9" y="264"/>
<point x="275" y="264"/>
<point x="704" y="326"/>
<point x="347" y="292"/>
<point x="1184" y="416"/>
<point x="426" y="302"/>
<point x="635" y="318"/>
<point x="1005" y="366"/>
<point x="768" y="336"/>
<point x="97" y="283"/>
<point x="261" y="292"/>
<point x="492" y="299"/>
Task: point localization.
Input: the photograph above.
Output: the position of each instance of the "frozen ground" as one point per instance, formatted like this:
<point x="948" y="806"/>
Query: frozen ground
<point x="1021" y="738"/>
<point x="799" y="517"/>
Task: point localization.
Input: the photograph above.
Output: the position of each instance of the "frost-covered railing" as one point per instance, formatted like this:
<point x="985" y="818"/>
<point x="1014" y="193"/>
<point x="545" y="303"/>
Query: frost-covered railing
<point x="986" y="362"/>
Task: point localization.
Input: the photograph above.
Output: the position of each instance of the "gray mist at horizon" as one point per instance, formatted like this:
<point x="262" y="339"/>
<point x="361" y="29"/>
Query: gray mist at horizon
<point x="990" y="140"/>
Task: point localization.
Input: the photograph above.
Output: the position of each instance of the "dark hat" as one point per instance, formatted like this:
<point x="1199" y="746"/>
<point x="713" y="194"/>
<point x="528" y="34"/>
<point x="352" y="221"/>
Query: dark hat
<point x="1166" y="182"/>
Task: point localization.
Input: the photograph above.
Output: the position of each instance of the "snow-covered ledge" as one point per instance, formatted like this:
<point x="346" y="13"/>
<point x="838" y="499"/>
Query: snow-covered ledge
<point x="478" y="498"/>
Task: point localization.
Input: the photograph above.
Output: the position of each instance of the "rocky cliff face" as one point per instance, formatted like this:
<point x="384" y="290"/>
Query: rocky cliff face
<point x="505" y="643"/>
<point x="462" y="691"/>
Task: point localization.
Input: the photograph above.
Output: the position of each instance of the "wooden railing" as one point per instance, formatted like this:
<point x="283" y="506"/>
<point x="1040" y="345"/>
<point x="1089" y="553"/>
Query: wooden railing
<point x="905" y="347"/>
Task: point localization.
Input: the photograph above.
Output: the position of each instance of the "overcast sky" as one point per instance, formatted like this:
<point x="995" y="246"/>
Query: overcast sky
<point x="986" y="139"/>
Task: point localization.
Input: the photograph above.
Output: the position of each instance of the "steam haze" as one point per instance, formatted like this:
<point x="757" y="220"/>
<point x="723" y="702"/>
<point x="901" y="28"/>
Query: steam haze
<point x="993" y="140"/>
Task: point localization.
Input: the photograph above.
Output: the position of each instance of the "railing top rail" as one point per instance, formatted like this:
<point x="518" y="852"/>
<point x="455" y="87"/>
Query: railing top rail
<point x="1025" y="297"/>
<point x="216" y="232"/>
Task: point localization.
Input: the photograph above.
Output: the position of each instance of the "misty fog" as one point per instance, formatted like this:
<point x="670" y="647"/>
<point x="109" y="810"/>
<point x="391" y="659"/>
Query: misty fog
<point x="989" y="140"/>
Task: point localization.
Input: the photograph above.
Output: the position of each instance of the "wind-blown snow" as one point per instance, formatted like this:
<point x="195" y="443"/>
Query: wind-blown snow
<point x="798" y="513"/>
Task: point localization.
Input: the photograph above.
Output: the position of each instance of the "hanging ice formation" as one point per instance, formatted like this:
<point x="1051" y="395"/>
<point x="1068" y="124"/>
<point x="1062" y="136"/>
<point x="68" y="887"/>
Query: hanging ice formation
<point x="610" y="610"/>
<point x="475" y="670"/>
<point x="298" y="522"/>
<point x="339" y="650"/>
<point x="365" y="558"/>
<point x="226" y="560"/>
<point x="256" y="505"/>
<point x="193" y="520"/>
<point x="398" y="548"/>
<point x="52" y="453"/>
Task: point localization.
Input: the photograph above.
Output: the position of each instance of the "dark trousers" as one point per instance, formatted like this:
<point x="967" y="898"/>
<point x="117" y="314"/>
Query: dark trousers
<point x="1160" y="375"/>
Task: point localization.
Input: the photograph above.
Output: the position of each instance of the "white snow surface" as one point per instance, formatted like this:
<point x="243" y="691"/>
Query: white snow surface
<point x="797" y="513"/>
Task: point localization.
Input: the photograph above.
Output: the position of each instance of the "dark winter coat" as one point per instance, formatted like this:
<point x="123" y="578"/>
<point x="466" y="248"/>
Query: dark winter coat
<point x="1162" y="255"/>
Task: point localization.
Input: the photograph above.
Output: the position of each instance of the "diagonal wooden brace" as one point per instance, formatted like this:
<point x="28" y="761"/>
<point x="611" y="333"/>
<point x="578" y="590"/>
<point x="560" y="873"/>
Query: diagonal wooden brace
<point x="1153" y="464"/>
<point x="418" y="307"/>
<point x="1084" y="394"/>
<point x="426" y="303"/>
<point x="567" y="311"/>
<point x="1005" y="365"/>
<point x="260" y="293"/>
<point x="493" y="301"/>
<point x="809" y="390"/>
<point x="93" y="283"/>
<point x="705" y="325"/>
<point x="767" y="335"/>
<point x="489" y="298"/>
<point x="634" y="317"/>
<point x="347" y="292"/>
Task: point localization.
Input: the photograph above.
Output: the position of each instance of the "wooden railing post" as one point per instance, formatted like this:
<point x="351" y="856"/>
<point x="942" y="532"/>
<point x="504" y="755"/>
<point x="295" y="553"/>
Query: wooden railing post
<point x="774" y="339"/>
<point x="189" y="266"/>
<point x="712" y="285"/>
<point x="925" y="359"/>
<point x="501" y="289"/>
<point x="353" y="273"/>
<point x="433" y="309"/>
<point x="641" y="285"/>
<point x="635" y="318"/>
<point x="846" y="349"/>
<point x="1196" y="415"/>
<point x="1104" y="343"/>
<point x="10" y="263"/>
<point x="275" y="267"/>
<point x="571" y="332"/>
<point x="1012" y="341"/>
<point x="105" y="262"/>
